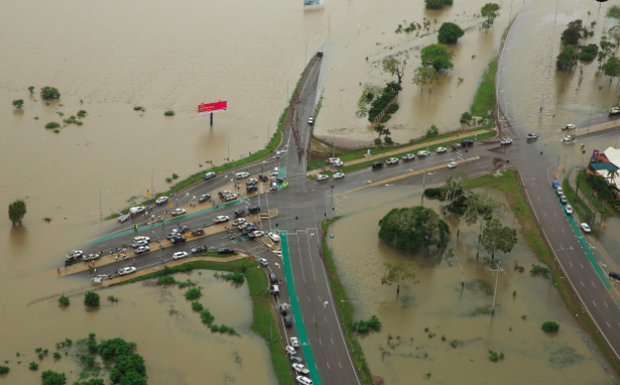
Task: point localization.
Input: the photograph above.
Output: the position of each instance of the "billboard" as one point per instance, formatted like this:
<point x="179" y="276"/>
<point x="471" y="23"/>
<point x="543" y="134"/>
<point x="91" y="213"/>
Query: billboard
<point x="212" y="107"/>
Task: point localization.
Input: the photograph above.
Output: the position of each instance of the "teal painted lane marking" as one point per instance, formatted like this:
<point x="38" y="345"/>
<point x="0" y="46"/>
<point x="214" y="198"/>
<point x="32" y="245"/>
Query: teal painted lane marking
<point x="168" y="221"/>
<point x="282" y="172"/>
<point x="301" y="330"/>
<point x="584" y="244"/>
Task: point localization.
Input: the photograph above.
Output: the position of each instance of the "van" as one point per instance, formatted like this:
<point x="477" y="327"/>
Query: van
<point x="231" y="197"/>
<point x="278" y="154"/>
<point x="254" y="210"/>
<point x="283" y="308"/>
<point x="288" y="321"/>
<point x="304" y="380"/>
<point x="377" y="165"/>
<point x="275" y="290"/>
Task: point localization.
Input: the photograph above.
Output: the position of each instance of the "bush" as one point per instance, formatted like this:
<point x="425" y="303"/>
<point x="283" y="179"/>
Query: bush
<point x="536" y="269"/>
<point x="588" y="52"/>
<point x="449" y="33"/>
<point x="377" y="140"/>
<point x="550" y="326"/>
<point x="64" y="300"/>
<point x="493" y="356"/>
<point x="52" y="125"/>
<point x="53" y="378"/>
<point x="223" y="328"/>
<point x="193" y="293"/>
<point x="392" y="108"/>
<point x="31" y="89"/>
<point x="38" y="350"/>
<point x="567" y="59"/>
<point x="437" y="4"/>
<point x="166" y="280"/>
<point x="4" y="369"/>
<point x="57" y="355"/>
<point x="436" y="193"/>
<point x="91" y="299"/>
<point x="197" y="306"/>
<point x="33" y="366"/>
<point x="174" y="176"/>
<point x="433" y="131"/>
<point x="81" y="113"/>
<point x="388" y="140"/>
<point x="169" y="113"/>
<point x="236" y="277"/>
<point x="466" y="117"/>
<point x="370" y="96"/>
<point x="112" y="298"/>
<point x="214" y="328"/>
<point x="49" y="93"/>
<point x="364" y="327"/>
<point x="138" y="108"/>
<point x="19" y="103"/>
<point x="385" y="118"/>
<point x="207" y="317"/>
<point x="380" y="102"/>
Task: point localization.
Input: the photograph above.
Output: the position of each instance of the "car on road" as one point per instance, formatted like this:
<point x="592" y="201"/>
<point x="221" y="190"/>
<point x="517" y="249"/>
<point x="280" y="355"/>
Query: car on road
<point x="506" y="141"/>
<point x="304" y="380"/>
<point x="533" y="135"/>
<point x="178" y="239"/>
<point x="391" y="161"/>
<point x="242" y="174"/>
<point x="221" y="219"/>
<point x="179" y="255"/>
<point x="563" y="199"/>
<point x="209" y="175"/>
<point x="299" y="368"/>
<point x="198" y="232"/>
<point x="139" y="243"/>
<point x="223" y="193"/>
<point x="243" y="225"/>
<point x="251" y="181"/>
<point x="569" y="127"/>
<point x="249" y="229"/>
<point x="452" y="165"/>
<point x="274" y="237"/>
<point x="339" y="175"/>
<point x="226" y="250"/>
<point x="263" y="178"/>
<point x="456" y="146"/>
<point x="238" y="221"/>
<point x="126" y="270"/>
<point x="322" y="177"/>
<point x="263" y="261"/>
<point x="559" y="190"/>
<point x="90" y="257"/>
<point x="137" y="209"/>
<point x="423" y="153"/>
<point x="288" y="322"/>
<point x="178" y="230"/>
<point x="586" y="228"/>
<point x="204" y="197"/>
<point x="311" y="120"/>
<point x="294" y="342"/>
<point x="275" y="173"/>
<point x="142" y="249"/>
<point x="336" y="162"/>
<point x="141" y="238"/>
<point x="251" y="188"/>
<point x="290" y="350"/>
<point x="408" y="157"/>
<point x="377" y="165"/>
<point x="161" y="199"/>
<point x="199" y="249"/>
<point x="273" y="278"/>
<point x="257" y="234"/>
<point x="440" y="150"/>
<point x="240" y="212"/>
<point x="178" y="211"/>
<point x="614" y="276"/>
<point x="569" y="138"/>
<point x="467" y="143"/>
<point x="569" y="210"/>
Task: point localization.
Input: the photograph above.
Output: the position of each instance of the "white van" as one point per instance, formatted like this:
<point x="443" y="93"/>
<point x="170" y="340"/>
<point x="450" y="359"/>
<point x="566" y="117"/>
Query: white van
<point x="278" y="154"/>
<point x="275" y="290"/>
<point x="304" y="380"/>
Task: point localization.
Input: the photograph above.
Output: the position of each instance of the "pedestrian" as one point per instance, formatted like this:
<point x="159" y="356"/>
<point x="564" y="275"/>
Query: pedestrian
<point x="95" y="270"/>
<point x="111" y="250"/>
<point x="116" y="258"/>
<point x="58" y="269"/>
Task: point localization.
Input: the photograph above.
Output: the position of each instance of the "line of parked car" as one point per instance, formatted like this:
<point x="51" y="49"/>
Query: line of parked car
<point x="567" y="208"/>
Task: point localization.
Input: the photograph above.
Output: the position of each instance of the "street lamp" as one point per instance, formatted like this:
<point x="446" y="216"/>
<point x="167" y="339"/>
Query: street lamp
<point x="159" y="239"/>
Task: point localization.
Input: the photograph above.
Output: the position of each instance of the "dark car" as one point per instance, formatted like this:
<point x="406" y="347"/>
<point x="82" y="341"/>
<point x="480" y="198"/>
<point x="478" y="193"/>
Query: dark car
<point x="198" y="232"/>
<point x="263" y="178"/>
<point x="614" y="276"/>
<point x="150" y="207"/>
<point x="254" y="210"/>
<point x="240" y="213"/>
<point x="296" y="360"/>
<point x="204" y="197"/>
<point x="178" y="239"/>
<point x="199" y="249"/>
<point x="288" y="321"/>
<point x="252" y="188"/>
<point x="377" y="165"/>
<point x="467" y="143"/>
<point x="273" y="278"/>
<point x="225" y="250"/>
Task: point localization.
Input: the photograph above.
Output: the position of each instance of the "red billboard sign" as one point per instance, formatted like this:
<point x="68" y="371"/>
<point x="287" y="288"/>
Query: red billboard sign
<point x="212" y="107"/>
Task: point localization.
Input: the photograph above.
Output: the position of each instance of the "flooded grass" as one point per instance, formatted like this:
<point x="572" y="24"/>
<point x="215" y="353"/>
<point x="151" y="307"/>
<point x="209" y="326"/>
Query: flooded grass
<point x="484" y="100"/>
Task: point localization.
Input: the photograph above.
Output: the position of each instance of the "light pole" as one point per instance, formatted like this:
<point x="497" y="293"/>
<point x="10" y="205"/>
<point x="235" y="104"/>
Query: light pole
<point x="159" y="239"/>
<point x="499" y="269"/>
<point x="228" y="158"/>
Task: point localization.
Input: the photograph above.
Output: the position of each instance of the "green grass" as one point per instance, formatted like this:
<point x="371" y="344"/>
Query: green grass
<point x="586" y="190"/>
<point x="263" y="315"/>
<point x="484" y="100"/>
<point x="580" y="207"/>
<point x="345" y="308"/>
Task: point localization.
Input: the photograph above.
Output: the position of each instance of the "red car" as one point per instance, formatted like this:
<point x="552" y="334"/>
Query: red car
<point x="198" y="232"/>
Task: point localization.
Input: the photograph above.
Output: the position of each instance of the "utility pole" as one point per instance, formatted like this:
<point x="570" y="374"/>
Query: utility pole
<point x="334" y="151"/>
<point x="152" y="195"/>
<point x="228" y="158"/>
<point x="425" y="164"/>
<point x="499" y="269"/>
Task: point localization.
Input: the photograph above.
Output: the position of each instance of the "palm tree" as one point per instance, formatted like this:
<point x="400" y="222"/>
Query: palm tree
<point x="394" y="87"/>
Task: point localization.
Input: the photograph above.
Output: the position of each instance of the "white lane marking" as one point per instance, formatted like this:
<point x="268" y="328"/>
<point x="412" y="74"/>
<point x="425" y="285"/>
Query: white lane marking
<point x="538" y="198"/>
<point x="321" y="342"/>
<point x="608" y="324"/>
<point x="327" y="365"/>
<point x="325" y="319"/>
<point x="332" y="340"/>
<point x="581" y="282"/>
<point x="606" y="304"/>
<point x="571" y="265"/>
<point x="555" y="215"/>
<point x="308" y="298"/>
<point x="313" y="319"/>
<point x="545" y="213"/>
<point x="594" y="303"/>
<point x="339" y="365"/>
<point x="592" y="284"/>
<point x="581" y="265"/>
<point x="563" y="231"/>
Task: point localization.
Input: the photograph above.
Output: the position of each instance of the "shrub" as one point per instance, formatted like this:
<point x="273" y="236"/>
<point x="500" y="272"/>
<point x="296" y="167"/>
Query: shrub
<point x="437" y="4"/>
<point x="169" y="113"/>
<point x="33" y="366"/>
<point x="433" y="131"/>
<point x="57" y="355"/>
<point x="207" y="317"/>
<point x="392" y="108"/>
<point x="493" y="356"/>
<point x="56" y="131"/>
<point x="31" y="89"/>
<point x="388" y="140"/>
<point x="64" y="300"/>
<point x="166" y="280"/>
<point x="68" y="341"/>
<point x="550" y="326"/>
<point x="4" y="369"/>
<point x="50" y="377"/>
<point x="223" y="328"/>
<point x="112" y="298"/>
<point x="168" y="180"/>
<point x="449" y="33"/>
<point x="236" y="277"/>
<point x="364" y="327"/>
<point x="466" y="117"/>
<point x="193" y="293"/>
<point x="197" y="306"/>
<point x="385" y="118"/>
<point x="38" y="350"/>
<point x="49" y="93"/>
<point x="536" y="269"/>
<point x="214" y="328"/>
<point x="91" y="299"/>
<point x="567" y="59"/>
<point x="183" y="285"/>
<point x="138" y="108"/>
<point x="588" y="52"/>
<point x="81" y="113"/>
<point x="19" y="103"/>
<point x="370" y="96"/>
<point x="52" y="125"/>
<point x="377" y="140"/>
<point x="174" y="176"/>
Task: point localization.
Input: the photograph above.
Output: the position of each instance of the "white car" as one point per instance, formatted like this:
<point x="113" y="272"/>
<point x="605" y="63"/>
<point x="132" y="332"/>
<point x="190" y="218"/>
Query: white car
<point x="76" y="254"/>
<point x="142" y="249"/>
<point x="339" y="175"/>
<point x="532" y="135"/>
<point x="257" y="234"/>
<point x="409" y="157"/>
<point x="439" y="150"/>
<point x="137" y="209"/>
<point x="322" y="177"/>
<point x="294" y="342"/>
<point x="141" y="238"/>
<point x="299" y="368"/>
<point x="209" y="175"/>
<point x="126" y="270"/>
<point x="311" y="120"/>
<point x="391" y="161"/>
<point x="569" y="210"/>
<point x="423" y="153"/>
<point x="263" y="261"/>
<point x="290" y="350"/>
<point x="569" y="127"/>
<point x="141" y="242"/>
<point x="242" y="174"/>
<point x="559" y="190"/>
<point x="238" y="221"/>
<point x="274" y="237"/>
<point x="162" y="199"/>
<point x="506" y="141"/>
<point x="304" y="380"/>
<point x="585" y="228"/>
<point x="243" y="225"/>
<point x="178" y="211"/>
<point x="452" y="165"/>
<point x="333" y="160"/>
<point x="179" y="255"/>
<point x="221" y="219"/>
<point x="563" y="199"/>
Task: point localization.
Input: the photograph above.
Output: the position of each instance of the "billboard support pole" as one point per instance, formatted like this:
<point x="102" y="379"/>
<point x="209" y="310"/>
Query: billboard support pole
<point x="211" y="119"/>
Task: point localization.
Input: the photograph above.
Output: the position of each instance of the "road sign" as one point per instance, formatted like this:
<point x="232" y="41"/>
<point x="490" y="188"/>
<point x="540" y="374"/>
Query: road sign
<point x="207" y="108"/>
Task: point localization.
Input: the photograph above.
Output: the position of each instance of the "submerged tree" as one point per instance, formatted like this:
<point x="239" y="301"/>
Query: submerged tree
<point x="481" y="208"/>
<point x="449" y="33"/>
<point x="17" y="211"/>
<point x="496" y="237"/>
<point x="398" y="273"/>
<point x="50" y="93"/>
<point x="436" y="56"/>
<point x="567" y="59"/>
<point x="490" y="11"/>
<point x="423" y="76"/>
<point x="394" y="66"/>
<point x="413" y="228"/>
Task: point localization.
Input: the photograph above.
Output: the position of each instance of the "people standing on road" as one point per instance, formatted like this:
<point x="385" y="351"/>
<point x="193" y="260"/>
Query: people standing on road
<point x="116" y="258"/>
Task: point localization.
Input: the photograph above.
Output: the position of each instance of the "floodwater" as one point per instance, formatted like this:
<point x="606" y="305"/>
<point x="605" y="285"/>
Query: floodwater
<point x="438" y="303"/>
<point x="177" y="347"/>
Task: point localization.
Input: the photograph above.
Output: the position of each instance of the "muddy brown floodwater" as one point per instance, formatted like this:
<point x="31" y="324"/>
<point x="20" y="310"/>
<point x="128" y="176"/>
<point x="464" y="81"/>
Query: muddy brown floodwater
<point x="438" y="303"/>
<point x="177" y="347"/>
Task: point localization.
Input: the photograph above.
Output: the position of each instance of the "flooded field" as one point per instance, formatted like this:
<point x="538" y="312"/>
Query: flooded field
<point x="459" y="335"/>
<point x="177" y="347"/>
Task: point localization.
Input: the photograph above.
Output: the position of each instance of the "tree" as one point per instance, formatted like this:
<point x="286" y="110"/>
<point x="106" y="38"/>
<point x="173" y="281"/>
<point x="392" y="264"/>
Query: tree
<point x="64" y="300"/>
<point x="480" y="208"/>
<point x="31" y="89"/>
<point x="394" y="87"/>
<point x="91" y="299"/>
<point x="423" y="76"/>
<point x="550" y="326"/>
<point x="611" y="67"/>
<point x="614" y="33"/>
<point x="454" y="186"/>
<point x="588" y="52"/>
<point x="17" y="211"/>
<point x="379" y="129"/>
<point x="437" y="4"/>
<point x="449" y="33"/>
<point x="606" y="51"/>
<point x="398" y="273"/>
<point x="490" y="11"/>
<point x="437" y="56"/>
<point x="433" y="131"/>
<point x="567" y="59"/>
<point x="19" y="103"/>
<point x="116" y="347"/>
<point x="394" y="66"/>
<point x="53" y="378"/>
<point x="570" y="36"/>
<point x="413" y="228"/>
<point x="496" y="237"/>
<point x="92" y="381"/>
<point x="49" y="93"/>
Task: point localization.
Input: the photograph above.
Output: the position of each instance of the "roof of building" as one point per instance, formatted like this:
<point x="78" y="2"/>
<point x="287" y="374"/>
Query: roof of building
<point x="613" y="155"/>
<point x="603" y="166"/>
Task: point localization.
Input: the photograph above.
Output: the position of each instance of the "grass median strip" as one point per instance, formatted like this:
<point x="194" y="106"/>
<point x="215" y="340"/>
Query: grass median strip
<point x="263" y="315"/>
